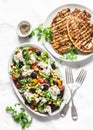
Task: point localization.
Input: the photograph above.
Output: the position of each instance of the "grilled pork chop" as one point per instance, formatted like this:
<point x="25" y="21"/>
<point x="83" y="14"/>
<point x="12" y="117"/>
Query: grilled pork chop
<point x="80" y="31"/>
<point x="84" y="15"/>
<point x="61" y="42"/>
<point x="72" y="29"/>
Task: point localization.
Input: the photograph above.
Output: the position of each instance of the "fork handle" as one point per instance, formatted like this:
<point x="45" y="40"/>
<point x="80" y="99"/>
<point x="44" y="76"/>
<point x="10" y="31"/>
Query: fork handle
<point x="64" y="110"/>
<point x="66" y="106"/>
<point x="74" y="112"/>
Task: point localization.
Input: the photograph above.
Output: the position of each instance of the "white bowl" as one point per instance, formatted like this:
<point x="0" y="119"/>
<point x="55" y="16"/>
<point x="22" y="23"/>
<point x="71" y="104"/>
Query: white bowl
<point x="19" y="95"/>
<point x="20" y="34"/>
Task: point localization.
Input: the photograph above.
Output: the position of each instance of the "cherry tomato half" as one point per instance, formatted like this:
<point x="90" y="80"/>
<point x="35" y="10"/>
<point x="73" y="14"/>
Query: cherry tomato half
<point x="14" y="78"/>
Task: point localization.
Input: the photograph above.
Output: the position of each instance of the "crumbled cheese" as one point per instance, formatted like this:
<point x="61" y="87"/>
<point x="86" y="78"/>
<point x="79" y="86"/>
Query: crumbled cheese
<point x="54" y="92"/>
<point x="48" y="109"/>
<point x="48" y="70"/>
<point x="33" y="59"/>
<point x="44" y="100"/>
<point x="37" y="100"/>
<point x="39" y="91"/>
<point x="42" y="65"/>
<point x="28" y="96"/>
<point x="26" y="72"/>
<point x="18" y="57"/>
<point x="46" y="67"/>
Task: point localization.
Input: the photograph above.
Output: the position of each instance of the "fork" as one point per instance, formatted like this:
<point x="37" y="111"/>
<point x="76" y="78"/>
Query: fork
<point x="78" y="83"/>
<point x="70" y="81"/>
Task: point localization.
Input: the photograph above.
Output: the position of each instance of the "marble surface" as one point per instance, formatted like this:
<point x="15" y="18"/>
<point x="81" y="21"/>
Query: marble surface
<point x="36" y="11"/>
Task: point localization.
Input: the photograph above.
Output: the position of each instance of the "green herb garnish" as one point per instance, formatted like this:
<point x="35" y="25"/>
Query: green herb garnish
<point x="24" y="87"/>
<point x="71" y="55"/>
<point x="45" y="54"/>
<point x="41" y="32"/>
<point x="26" y="55"/>
<point x="25" y="80"/>
<point x="19" y="116"/>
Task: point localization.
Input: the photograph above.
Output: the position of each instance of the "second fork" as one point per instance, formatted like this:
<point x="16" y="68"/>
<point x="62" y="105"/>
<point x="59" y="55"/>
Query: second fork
<point x="69" y="81"/>
<point x="78" y="83"/>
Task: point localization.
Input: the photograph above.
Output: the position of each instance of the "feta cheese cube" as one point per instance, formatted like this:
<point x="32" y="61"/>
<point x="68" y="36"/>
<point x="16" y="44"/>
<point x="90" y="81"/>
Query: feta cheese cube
<point x="18" y="57"/>
<point x="33" y="59"/>
<point x="26" y="72"/>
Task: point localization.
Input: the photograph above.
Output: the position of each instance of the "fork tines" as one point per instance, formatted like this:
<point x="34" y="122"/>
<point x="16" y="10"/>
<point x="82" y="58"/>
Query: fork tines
<point x="81" y="76"/>
<point x="69" y="75"/>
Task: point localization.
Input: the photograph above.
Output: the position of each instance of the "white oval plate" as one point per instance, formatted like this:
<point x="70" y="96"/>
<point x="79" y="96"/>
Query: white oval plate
<point x="80" y="56"/>
<point x="19" y="95"/>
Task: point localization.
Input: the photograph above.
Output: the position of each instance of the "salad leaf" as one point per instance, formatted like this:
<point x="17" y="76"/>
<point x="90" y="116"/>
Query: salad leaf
<point x="24" y="87"/>
<point x="45" y="54"/>
<point x="17" y="75"/>
<point x="26" y="54"/>
<point x="23" y="81"/>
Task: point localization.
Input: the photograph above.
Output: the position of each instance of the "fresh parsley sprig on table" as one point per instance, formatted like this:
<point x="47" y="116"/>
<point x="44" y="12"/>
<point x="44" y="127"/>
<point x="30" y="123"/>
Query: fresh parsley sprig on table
<point x="41" y="32"/>
<point x="19" y="116"/>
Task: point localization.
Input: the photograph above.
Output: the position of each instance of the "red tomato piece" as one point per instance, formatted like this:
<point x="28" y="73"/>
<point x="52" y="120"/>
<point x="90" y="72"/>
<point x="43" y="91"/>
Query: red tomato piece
<point x="31" y="49"/>
<point x="36" y="63"/>
<point x="40" y="80"/>
<point x="61" y="87"/>
<point x="14" y="78"/>
<point x="35" y="66"/>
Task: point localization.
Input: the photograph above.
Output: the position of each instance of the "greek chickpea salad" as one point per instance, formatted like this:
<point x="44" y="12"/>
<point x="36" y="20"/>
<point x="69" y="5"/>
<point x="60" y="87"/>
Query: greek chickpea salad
<point x="36" y="77"/>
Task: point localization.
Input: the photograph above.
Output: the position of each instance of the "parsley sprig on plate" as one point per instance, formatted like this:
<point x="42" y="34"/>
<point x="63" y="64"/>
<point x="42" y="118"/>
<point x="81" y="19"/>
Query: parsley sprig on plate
<point x="71" y="55"/>
<point x="19" y="115"/>
<point x="41" y="32"/>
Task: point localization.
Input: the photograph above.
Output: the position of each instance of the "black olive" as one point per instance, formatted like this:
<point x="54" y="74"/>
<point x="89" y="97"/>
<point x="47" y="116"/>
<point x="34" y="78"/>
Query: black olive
<point x="55" y="82"/>
<point x="21" y="64"/>
<point x="61" y="93"/>
<point x="46" y="86"/>
<point x="26" y="102"/>
<point x="41" y="68"/>
<point x="32" y="90"/>
<point x="33" y="75"/>
<point x="53" y="107"/>
<point x="38" y="53"/>
<point x="53" y="66"/>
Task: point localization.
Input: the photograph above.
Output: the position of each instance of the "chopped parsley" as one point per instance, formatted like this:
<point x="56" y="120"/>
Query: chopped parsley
<point x="24" y="87"/>
<point x="19" y="116"/>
